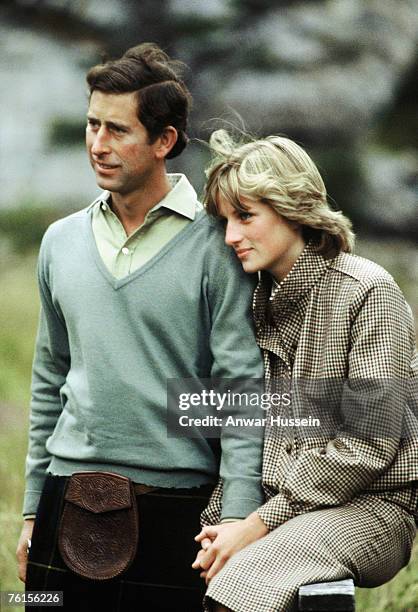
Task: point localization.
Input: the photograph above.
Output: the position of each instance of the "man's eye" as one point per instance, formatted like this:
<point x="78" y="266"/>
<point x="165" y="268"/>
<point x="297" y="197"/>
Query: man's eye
<point x="92" y="124"/>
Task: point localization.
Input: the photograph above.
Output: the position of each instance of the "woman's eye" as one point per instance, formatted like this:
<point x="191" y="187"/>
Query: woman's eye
<point x="244" y="216"/>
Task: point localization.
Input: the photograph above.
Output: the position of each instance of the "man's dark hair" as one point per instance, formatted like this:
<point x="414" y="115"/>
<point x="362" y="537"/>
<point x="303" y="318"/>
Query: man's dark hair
<point x="163" y="98"/>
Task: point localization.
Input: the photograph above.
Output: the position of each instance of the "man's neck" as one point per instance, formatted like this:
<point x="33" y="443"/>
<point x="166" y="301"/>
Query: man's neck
<point x="132" y="208"/>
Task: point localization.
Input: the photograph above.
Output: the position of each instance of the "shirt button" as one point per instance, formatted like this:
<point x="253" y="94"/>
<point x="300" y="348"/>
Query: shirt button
<point x="289" y="447"/>
<point x="104" y="206"/>
<point x="126" y="251"/>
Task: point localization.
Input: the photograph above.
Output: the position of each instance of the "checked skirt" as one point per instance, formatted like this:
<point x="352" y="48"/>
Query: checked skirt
<point x="368" y="539"/>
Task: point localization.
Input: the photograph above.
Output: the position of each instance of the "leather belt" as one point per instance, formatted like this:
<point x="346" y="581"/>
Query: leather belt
<point x="141" y="489"/>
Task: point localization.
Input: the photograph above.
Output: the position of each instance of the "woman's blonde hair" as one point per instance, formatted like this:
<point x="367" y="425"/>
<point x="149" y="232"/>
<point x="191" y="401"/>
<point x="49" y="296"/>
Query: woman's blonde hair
<point x="279" y="173"/>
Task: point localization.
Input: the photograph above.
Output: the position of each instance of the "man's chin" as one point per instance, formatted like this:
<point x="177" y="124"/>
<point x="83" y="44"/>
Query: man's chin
<point x="105" y="183"/>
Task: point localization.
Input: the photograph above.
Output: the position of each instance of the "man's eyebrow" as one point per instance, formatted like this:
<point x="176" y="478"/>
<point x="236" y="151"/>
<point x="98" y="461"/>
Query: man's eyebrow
<point x="109" y="124"/>
<point x="113" y="124"/>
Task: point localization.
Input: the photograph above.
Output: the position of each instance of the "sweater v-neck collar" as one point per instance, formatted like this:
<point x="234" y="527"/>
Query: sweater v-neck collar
<point x="117" y="283"/>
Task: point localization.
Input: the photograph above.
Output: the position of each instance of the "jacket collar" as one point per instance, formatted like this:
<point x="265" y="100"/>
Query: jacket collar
<point x="305" y="273"/>
<point x="279" y="310"/>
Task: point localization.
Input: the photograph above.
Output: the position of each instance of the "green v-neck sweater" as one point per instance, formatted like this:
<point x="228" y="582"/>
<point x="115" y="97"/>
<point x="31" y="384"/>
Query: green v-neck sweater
<point x="106" y="347"/>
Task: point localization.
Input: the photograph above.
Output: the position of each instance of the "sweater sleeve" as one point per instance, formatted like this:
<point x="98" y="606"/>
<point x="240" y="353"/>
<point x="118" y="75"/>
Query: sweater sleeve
<point x="50" y="367"/>
<point x="373" y="400"/>
<point x="235" y="356"/>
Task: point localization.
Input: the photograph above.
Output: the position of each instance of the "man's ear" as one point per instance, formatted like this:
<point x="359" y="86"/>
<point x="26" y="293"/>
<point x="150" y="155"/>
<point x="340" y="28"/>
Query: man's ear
<point x="165" y="142"/>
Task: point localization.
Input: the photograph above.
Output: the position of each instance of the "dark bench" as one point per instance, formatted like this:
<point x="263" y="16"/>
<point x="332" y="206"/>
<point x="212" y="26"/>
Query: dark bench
<point x="336" y="596"/>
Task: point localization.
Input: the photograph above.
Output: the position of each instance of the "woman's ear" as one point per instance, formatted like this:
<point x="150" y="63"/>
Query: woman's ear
<point x="165" y="142"/>
<point x="295" y="225"/>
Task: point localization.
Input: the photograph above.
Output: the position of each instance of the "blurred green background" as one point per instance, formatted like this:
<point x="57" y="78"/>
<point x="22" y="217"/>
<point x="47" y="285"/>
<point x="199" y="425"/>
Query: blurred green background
<point x="339" y="76"/>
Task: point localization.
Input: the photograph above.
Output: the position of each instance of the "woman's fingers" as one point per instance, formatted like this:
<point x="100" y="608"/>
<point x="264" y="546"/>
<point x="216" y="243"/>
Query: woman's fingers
<point x="207" y="532"/>
<point x="196" y="562"/>
<point x="205" y="543"/>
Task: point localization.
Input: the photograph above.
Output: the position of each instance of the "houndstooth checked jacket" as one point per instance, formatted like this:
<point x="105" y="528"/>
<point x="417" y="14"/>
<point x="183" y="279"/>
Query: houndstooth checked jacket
<point x="345" y="321"/>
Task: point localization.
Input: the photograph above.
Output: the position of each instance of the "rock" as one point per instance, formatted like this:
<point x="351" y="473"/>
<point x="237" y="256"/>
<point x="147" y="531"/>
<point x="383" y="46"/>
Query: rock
<point x="46" y="82"/>
<point x="325" y="73"/>
<point x="201" y="10"/>
<point x="330" y="67"/>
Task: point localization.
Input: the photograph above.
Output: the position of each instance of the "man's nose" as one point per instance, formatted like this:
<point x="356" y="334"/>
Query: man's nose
<point x="233" y="235"/>
<point x="101" y="143"/>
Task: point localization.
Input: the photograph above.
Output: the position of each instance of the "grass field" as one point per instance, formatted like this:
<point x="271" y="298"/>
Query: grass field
<point x="18" y="314"/>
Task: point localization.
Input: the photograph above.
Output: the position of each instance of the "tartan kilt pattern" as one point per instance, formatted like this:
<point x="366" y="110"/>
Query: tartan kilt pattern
<point x="160" y="578"/>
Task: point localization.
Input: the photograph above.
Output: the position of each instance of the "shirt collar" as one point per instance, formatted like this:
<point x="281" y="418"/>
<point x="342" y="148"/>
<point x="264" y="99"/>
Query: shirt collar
<point x="181" y="198"/>
<point x="101" y="199"/>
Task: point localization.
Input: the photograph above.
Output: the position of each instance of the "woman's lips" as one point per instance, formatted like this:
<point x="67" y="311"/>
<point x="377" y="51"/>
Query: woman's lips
<point x="241" y="253"/>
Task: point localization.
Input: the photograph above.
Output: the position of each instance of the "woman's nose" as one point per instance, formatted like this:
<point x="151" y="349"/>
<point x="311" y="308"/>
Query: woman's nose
<point x="232" y="234"/>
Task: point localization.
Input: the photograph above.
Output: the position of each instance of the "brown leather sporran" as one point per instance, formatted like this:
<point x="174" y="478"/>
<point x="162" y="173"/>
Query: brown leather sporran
<point x="98" y="532"/>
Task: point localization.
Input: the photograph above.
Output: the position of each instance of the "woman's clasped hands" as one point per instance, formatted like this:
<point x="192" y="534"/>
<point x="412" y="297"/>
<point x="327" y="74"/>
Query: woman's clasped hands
<point x="220" y="542"/>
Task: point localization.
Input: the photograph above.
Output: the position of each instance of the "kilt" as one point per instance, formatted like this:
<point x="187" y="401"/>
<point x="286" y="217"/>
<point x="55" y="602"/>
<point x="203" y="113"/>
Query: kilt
<point x="368" y="539"/>
<point x="160" y="577"/>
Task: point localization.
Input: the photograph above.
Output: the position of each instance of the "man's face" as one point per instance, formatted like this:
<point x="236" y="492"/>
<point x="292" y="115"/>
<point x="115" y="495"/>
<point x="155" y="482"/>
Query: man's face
<point x="118" y="143"/>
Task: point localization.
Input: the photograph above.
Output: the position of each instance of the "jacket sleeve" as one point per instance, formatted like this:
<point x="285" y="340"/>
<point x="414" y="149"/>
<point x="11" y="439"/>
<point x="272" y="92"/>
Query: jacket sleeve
<point x="372" y="406"/>
<point x="50" y="368"/>
<point x="235" y="356"/>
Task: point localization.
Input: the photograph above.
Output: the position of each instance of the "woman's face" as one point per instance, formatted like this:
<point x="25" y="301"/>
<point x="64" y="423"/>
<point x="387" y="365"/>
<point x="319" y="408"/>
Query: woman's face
<point x="261" y="238"/>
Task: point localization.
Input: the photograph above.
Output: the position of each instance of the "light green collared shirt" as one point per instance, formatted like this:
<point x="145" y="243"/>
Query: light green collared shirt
<point x="124" y="254"/>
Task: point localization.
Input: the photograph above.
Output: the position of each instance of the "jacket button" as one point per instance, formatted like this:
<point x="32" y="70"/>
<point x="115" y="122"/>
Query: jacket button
<point x="322" y="451"/>
<point x="289" y="447"/>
